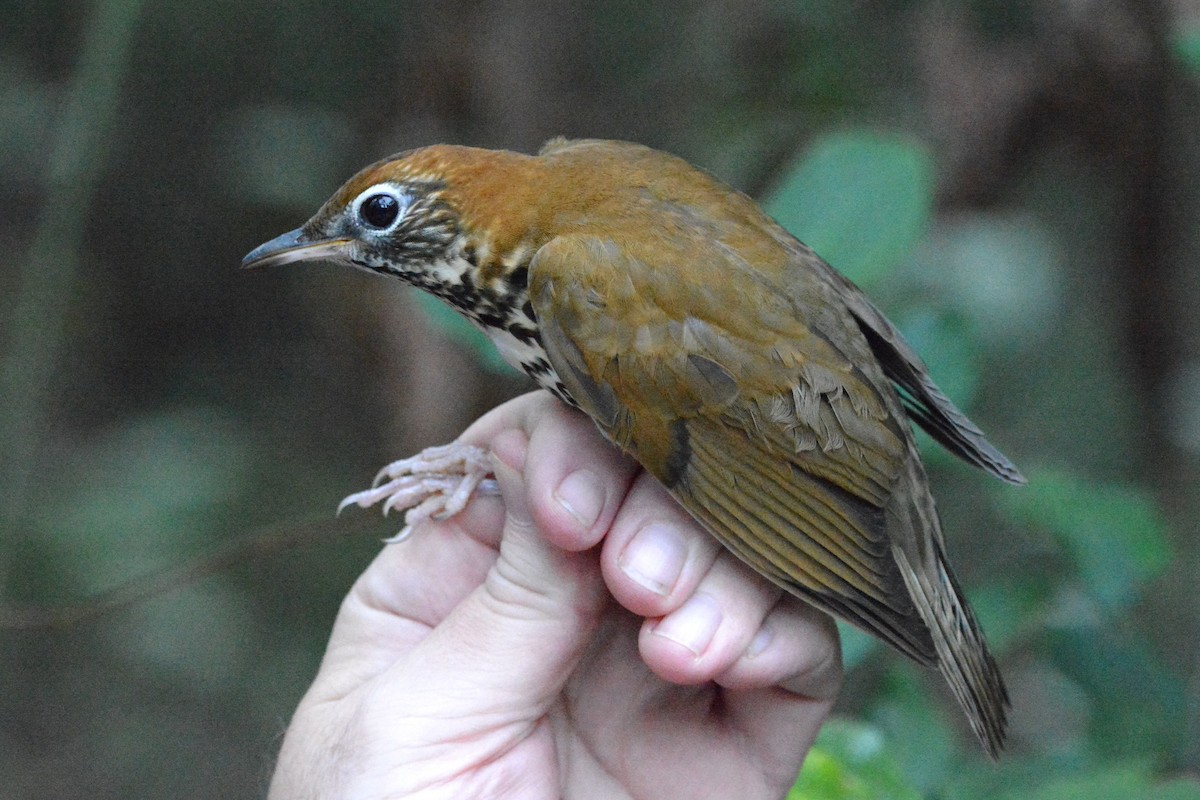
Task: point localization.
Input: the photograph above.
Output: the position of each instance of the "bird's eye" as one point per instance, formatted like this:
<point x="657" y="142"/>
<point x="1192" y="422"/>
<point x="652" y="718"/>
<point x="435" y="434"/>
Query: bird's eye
<point x="379" y="210"/>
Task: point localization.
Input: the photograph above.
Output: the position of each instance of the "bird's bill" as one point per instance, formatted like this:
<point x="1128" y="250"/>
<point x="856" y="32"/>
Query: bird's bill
<point x="293" y="246"/>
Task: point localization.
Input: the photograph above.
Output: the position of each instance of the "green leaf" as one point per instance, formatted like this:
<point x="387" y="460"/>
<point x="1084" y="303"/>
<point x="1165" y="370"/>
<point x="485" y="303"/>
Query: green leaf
<point x="1113" y="533"/>
<point x="860" y="199"/>
<point x="849" y="762"/>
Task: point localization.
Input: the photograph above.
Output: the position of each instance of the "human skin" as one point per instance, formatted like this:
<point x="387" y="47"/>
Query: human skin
<point x="578" y="636"/>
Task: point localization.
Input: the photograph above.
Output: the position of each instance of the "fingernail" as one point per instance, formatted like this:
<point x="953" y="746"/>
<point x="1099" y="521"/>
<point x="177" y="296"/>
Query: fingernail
<point x="693" y="624"/>
<point x="654" y="557"/>
<point x="581" y="495"/>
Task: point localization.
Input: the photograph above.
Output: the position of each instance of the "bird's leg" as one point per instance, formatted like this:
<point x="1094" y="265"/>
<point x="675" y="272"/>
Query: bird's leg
<point x="434" y="484"/>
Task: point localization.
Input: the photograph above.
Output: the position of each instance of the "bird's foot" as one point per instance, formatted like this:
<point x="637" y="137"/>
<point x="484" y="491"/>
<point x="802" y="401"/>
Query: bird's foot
<point x="434" y="484"/>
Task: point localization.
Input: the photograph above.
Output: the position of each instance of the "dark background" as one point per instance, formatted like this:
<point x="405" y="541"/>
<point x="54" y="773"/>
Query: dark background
<point x="157" y="404"/>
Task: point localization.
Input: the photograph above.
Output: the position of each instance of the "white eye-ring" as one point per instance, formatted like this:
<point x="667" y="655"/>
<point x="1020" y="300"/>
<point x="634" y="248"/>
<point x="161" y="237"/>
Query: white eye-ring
<point x="380" y="208"/>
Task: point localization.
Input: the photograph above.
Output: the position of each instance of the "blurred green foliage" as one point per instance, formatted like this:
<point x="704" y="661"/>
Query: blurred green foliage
<point x="850" y="762"/>
<point x="860" y="199"/>
<point x="1114" y="535"/>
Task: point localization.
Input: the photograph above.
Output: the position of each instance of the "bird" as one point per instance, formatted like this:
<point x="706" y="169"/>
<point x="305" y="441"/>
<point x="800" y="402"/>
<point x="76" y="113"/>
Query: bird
<point x="762" y="388"/>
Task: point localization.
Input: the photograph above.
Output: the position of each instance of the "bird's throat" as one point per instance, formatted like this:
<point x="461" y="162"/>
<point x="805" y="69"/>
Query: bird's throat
<point x="493" y="293"/>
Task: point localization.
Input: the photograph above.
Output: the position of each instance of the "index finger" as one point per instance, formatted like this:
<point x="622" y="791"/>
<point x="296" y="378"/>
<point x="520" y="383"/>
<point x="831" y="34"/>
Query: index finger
<point x="576" y="479"/>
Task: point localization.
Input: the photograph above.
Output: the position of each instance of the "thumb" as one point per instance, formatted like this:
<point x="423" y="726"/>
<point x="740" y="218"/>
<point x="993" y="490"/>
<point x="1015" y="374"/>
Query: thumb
<point x="518" y="636"/>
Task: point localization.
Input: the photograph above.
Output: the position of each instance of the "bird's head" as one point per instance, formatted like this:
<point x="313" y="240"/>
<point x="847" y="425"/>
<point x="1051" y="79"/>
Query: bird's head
<point x="404" y="216"/>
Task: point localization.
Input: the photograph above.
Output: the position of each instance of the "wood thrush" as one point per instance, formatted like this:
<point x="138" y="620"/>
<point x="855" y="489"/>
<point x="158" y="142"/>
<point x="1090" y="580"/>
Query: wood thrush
<point x="762" y="388"/>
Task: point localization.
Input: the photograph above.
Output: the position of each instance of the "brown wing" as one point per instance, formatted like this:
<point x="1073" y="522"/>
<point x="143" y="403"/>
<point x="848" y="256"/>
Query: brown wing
<point x="766" y="432"/>
<point x="773" y="425"/>
<point x="924" y="401"/>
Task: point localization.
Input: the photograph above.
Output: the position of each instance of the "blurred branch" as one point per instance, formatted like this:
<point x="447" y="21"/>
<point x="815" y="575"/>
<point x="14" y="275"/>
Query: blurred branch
<point x="37" y="326"/>
<point x="251" y="547"/>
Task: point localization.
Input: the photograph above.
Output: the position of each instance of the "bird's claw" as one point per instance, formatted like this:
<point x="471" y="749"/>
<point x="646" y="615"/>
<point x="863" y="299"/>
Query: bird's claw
<point x="435" y="484"/>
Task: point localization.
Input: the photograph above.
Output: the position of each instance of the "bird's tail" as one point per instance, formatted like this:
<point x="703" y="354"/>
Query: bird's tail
<point x="962" y="653"/>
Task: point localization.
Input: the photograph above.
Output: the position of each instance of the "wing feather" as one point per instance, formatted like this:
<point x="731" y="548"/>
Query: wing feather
<point x="778" y="430"/>
<point x="777" y="527"/>
<point x="779" y="444"/>
<point x="924" y="401"/>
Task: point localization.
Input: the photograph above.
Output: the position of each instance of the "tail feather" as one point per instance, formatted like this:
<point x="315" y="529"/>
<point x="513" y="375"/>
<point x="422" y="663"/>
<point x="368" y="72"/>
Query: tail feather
<point x="963" y="656"/>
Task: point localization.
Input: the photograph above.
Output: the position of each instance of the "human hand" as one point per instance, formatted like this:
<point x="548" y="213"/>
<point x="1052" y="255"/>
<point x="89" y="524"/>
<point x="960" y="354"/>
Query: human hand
<point x="527" y="648"/>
